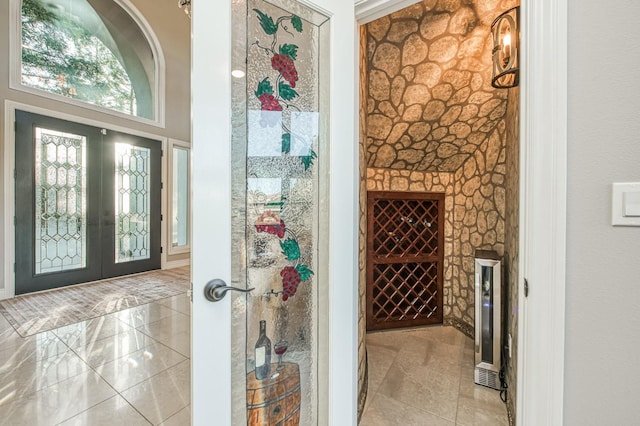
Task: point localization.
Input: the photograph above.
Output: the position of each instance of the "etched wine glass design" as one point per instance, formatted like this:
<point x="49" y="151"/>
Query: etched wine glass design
<point x="280" y="348"/>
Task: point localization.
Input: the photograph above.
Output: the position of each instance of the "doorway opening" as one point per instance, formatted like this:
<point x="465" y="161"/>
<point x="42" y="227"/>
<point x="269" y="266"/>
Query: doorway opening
<point x="432" y="123"/>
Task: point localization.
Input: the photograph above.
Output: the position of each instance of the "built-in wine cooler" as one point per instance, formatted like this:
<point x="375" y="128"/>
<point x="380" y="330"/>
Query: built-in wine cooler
<point x="488" y="325"/>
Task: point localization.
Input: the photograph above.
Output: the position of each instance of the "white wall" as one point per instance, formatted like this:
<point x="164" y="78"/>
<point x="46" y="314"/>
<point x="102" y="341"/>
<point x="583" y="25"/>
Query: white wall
<point x="602" y="371"/>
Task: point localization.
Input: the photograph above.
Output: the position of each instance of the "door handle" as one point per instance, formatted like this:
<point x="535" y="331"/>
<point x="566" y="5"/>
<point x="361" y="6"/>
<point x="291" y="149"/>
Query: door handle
<point x="215" y="290"/>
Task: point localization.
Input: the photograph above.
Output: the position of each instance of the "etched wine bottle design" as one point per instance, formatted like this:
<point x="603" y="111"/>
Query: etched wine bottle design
<point x="263" y="353"/>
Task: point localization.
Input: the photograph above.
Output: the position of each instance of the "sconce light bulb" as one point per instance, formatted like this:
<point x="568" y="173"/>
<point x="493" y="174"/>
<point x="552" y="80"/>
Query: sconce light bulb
<point x="507" y="40"/>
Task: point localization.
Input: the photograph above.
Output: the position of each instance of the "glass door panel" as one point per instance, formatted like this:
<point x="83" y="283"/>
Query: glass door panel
<point x="132" y="203"/>
<point x="131" y="208"/>
<point x="179" y="198"/>
<point x="278" y="155"/>
<point x="60" y="201"/>
<point x="57" y="203"/>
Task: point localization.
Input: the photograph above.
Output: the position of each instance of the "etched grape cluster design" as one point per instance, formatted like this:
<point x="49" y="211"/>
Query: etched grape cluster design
<point x="277" y="95"/>
<point x="292" y="275"/>
<point x="281" y="94"/>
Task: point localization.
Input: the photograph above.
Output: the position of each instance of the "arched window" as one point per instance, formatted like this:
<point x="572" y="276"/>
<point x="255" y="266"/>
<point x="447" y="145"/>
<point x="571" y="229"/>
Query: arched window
<point x="92" y="51"/>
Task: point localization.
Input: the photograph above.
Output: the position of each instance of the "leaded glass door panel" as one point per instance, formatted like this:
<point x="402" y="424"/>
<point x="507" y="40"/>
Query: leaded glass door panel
<point x="131" y="200"/>
<point x="71" y="179"/>
<point x="57" y="204"/>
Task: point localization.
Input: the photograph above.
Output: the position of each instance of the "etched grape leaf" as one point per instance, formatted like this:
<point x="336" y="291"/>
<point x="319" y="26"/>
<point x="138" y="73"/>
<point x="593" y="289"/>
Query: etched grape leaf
<point x="291" y="50"/>
<point x="264" y="87"/>
<point x="297" y="23"/>
<point x="286" y="92"/>
<point x="266" y="22"/>
<point x="290" y="249"/>
<point x="307" y="160"/>
<point x="304" y="271"/>
<point x="286" y="143"/>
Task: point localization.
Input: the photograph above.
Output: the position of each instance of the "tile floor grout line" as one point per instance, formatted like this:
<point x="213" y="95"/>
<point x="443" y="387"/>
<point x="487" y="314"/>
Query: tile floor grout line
<point x="176" y="413"/>
<point x="463" y="380"/>
<point x="69" y="349"/>
<point x="149" y="378"/>
<point x="154" y="341"/>
<point x="114" y="389"/>
<point x="69" y="345"/>
<point x="118" y="393"/>
<point x="101" y="378"/>
<point x="165" y="345"/>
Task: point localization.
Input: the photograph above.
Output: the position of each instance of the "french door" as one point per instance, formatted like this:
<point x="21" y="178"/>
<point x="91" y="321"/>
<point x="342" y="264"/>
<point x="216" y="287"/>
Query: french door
<point x="87" y="203"/>
<point x="273" y="213"/>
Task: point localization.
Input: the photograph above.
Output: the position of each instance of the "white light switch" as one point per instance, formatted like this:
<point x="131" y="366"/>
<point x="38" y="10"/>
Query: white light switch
<point x="625" y="206"/>
<point x="631" y="203"/>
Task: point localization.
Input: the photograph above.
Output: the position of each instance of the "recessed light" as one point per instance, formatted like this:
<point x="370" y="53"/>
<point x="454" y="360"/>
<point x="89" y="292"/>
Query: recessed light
<point x="238" y="73"/>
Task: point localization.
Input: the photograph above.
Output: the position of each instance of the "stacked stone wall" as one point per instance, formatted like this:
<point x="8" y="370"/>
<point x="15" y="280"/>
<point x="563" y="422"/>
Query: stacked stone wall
<point x="479" y="218"/>
<point x="430" y="103"/>
<point x="430" y="108"/>
<point x="512" y="241"/>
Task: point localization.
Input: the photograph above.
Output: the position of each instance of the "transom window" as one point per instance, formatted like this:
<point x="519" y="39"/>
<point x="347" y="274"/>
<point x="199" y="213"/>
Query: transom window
<point x="91" y="51"/>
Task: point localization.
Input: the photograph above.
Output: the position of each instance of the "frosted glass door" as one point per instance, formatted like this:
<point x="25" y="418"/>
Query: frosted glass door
<point x="269" y="130"/>
<point x="278" y="154"/>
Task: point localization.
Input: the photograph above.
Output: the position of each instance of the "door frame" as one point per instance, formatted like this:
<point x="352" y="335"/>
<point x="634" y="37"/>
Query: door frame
<point x="8" y="164"/>
<point x="543" y="193"/>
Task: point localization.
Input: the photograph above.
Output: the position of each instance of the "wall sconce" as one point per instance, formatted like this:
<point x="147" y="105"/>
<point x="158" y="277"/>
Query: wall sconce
<point x="506" y="49"/>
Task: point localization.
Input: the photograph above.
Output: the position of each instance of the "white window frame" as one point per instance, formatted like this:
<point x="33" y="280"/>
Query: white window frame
<point x="15" y="66"/>
<point x="171" y="250"/>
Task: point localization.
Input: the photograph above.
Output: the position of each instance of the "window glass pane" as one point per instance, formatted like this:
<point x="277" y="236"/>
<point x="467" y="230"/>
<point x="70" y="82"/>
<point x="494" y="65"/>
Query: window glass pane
<point x="71" y="49"/>
<point x="133" y="200"/>
<point x="180" y="198"/>
<point x="60" y="201"/>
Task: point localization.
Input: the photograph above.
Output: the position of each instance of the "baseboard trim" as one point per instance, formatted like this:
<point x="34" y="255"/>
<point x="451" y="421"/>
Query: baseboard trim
<point x="3" y="293"/>
<point x="461" y="326"/>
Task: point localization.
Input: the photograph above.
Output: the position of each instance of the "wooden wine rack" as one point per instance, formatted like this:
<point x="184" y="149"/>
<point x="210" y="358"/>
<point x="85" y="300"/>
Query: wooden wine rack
<point x="405" y="251"/>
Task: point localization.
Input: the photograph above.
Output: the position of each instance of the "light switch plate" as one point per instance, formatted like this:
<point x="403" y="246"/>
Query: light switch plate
<point x="631" y="203"/>
<point x="625" y="204"/>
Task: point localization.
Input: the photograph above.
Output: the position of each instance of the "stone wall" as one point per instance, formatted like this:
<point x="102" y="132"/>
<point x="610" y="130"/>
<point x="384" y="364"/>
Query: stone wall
<point x="430" y="103"/>
<point x="479" y="217"/>
<point x="511" y="248"/>
<point x="430" y="108"/>
<point x="362" y="232"/>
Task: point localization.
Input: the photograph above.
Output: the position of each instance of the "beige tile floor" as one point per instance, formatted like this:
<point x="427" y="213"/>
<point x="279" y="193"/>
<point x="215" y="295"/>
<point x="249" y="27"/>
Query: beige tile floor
<point x="424" y="377"/>
<point x="128" y="368"/>
<point x="133" y="368"/>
